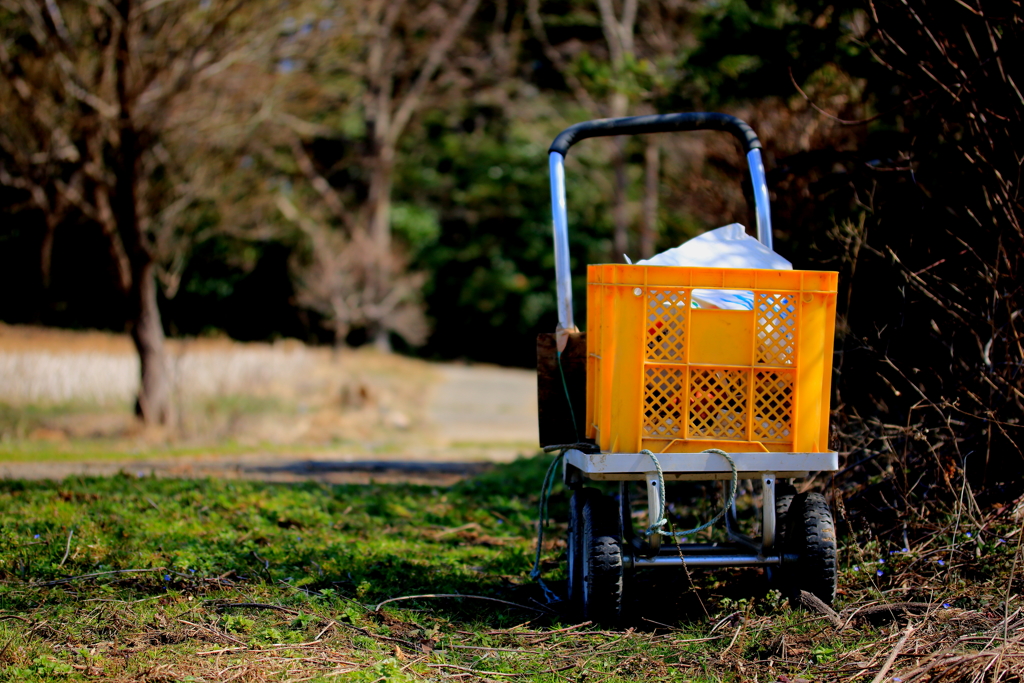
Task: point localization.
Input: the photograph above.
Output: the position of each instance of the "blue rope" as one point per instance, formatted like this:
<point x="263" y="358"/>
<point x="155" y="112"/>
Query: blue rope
<point x="545" y="490"/>
<point x="660" y="520"/>
<point x="545" y="493"/>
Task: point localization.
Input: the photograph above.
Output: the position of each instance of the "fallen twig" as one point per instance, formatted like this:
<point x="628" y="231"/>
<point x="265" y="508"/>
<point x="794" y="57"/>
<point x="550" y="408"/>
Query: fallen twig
<point x="256" y="605"/>
<point x="880" y="676"/>
<point x="550" y="634"/>
<point x="221" y="651"/>
<point x="478" y="672"/>
<point x="68" y="579"/>
<point x="955" y="660"/>
<point x="498" y="649"/>
<point x="813" y="602"/>
<point x="895" y="610"/>
<point x="67" y="547"/>
<point x="723" y="621"/>
<point x="454" y="595"/>
<point x="214" y="631"/>
<point x="330" y="624"/>
<point x="739" y="629"/>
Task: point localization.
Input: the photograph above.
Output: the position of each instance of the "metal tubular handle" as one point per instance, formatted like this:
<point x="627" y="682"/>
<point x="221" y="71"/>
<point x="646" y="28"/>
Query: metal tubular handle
<point x="636" y="125"/>
<point x="656" y="123"/>
<point x="563" y="275"/>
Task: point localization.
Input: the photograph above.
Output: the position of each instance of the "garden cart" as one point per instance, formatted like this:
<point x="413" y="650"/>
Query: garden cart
<point x="660" y="389"/>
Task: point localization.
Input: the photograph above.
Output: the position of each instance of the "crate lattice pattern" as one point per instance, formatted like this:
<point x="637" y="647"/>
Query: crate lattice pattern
<point x="713" y="403"/>
<point x="776" y="329"/>
<point x="664" y="396"/>
<point x="666" y="324"/>
<point x="773" y="405"/>
<point x="718" y="404"/>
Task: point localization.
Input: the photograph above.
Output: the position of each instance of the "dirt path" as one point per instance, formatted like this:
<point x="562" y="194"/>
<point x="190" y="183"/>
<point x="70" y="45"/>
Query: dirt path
<point x="484" y="404"/>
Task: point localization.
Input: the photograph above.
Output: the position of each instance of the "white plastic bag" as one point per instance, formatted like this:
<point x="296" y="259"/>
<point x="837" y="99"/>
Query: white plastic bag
<point x="726" y="247"/>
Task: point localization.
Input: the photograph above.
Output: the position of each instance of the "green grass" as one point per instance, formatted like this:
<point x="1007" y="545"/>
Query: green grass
<point x="319" y="559"/>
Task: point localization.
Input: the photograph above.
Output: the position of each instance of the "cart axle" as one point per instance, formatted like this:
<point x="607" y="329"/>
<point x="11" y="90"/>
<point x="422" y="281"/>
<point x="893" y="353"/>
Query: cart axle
<point x="673" y="557"/>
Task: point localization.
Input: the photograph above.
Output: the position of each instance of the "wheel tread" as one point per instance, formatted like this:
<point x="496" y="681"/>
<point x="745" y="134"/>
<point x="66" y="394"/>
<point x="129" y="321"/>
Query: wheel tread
<point x="605" y="574"/>
<point x="810" y="533"/>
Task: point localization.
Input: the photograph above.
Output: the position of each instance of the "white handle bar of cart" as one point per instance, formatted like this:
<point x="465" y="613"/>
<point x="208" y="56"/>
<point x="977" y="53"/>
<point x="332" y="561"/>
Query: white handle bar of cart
<point x="634" y="125"/>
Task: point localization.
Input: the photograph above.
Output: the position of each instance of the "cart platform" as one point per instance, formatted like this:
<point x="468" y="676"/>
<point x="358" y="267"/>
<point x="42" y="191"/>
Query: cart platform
<point x="698" y="466"/>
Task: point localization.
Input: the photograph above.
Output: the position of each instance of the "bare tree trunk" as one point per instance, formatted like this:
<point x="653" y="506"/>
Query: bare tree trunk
<point x="381" y="180"/>
<point x="381" y="338"/>
<point x="379" y="198"/>
<point x="618" y="32"/>
<point x="154" y="402"/>
<point x="620" y="213"/>
<point x="648" y="230"/>
<point x="46" y="248"/>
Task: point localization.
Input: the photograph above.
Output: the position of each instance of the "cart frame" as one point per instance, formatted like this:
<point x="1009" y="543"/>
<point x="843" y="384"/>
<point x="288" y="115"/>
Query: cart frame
<point x="579" y="466"/>
<point x="582" y="463"/>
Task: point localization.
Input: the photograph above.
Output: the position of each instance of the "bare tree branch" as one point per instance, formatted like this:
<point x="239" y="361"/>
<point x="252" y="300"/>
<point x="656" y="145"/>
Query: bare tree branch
<point x="556" y="59"/>
<point x="437" y="53"/>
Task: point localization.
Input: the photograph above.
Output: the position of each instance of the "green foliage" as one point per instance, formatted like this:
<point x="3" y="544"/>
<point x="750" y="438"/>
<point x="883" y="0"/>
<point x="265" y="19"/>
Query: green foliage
<point x="417" y="226"/>
<point x="745" y="49"/>
<point x="492" y="266"/>
<point x="635" y="77"/>
<point x="41" y="669"/>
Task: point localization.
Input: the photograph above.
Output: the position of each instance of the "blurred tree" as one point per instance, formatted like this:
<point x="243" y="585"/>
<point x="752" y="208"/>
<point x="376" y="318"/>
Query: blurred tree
<point x="616" y="72"/>
<point x="88" y="96"/>
<point x="618" y="33"/>
<point x="384" y="61"/>
<point x="408" y="55"/>
<point x="338" y="279"/>
<point x="491" y="262"/>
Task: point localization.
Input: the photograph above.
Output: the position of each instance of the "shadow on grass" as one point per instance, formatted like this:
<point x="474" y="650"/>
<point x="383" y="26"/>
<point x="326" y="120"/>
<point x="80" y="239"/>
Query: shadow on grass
<point x="363" y="544"/>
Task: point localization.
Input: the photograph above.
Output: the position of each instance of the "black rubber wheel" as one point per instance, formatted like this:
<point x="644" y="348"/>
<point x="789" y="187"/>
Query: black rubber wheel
<point x="783" y="501"/>
<point x="601" y="551"/>
<point x="784" y="495"/>
<point x="811" y="536"/>
<point x="784" y="488"/>
<point x="574" y="542"/>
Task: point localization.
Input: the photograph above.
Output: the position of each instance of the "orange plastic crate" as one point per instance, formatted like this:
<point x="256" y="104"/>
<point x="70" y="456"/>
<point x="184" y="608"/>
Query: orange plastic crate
<point x="672" y="378"/>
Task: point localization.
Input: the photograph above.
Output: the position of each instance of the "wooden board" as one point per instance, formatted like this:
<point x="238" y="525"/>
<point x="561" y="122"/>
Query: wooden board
<point x="554" y="416"/>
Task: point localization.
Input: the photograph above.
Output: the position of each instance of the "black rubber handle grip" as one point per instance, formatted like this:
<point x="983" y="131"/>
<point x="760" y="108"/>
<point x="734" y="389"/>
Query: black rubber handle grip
<point x="656" y="123"/>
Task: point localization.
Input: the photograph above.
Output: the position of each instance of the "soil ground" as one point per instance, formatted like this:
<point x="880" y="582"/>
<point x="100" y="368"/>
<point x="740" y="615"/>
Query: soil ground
<point x="274" y="412"/>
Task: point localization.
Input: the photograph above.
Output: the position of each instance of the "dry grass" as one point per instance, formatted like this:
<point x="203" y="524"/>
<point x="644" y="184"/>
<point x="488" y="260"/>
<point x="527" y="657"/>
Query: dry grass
<point x="52" y="366"/>
<point x="80" y="385"/>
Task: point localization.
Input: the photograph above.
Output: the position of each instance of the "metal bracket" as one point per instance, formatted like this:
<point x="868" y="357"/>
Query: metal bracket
<point x="767" y="512"/>
<point x="653" y="499"/>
